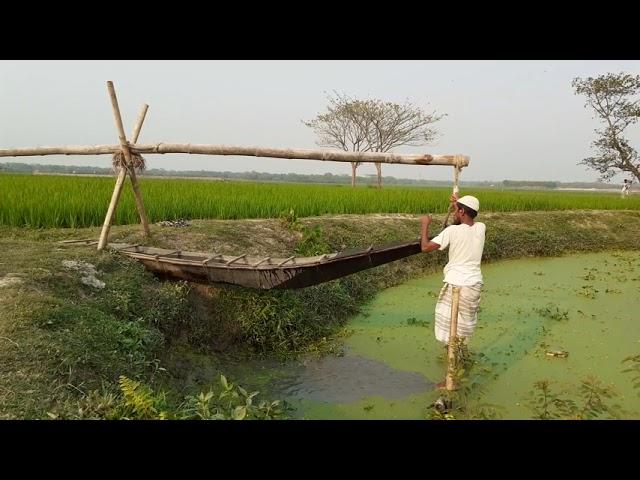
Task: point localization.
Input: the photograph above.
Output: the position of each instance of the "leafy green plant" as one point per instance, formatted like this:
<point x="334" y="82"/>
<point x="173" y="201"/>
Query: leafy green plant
<point x="139" y="401"/>
<point x="466" y="401"/>
<point x="546" y="404"/>
<point x="312" y="242"/>
<point x="592" y="401"/>
<point x="553" y="312"/>
<point x="588" y="291"/>
<point x="232" y="403"/>
<point x="414" y="321"/>
<point x="634" y="368"/>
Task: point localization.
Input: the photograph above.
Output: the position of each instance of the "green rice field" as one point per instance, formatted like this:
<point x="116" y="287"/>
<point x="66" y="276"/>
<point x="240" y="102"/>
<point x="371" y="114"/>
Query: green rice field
<point x="65" y="201"/>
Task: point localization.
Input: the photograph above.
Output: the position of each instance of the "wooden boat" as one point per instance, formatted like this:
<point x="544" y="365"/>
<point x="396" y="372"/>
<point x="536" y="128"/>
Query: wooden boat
<point x="262" y="272"/>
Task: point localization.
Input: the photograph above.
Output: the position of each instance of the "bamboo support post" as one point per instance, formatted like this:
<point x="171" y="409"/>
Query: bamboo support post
<point x="453" y="335"/>
<point x="115" y="197"/>
<point x="124" y="146"/>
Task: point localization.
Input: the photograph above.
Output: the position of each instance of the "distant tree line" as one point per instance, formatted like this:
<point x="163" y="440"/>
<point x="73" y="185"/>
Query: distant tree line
<point x="527" y="183"/>
<point x="326" y="178"/>
<point x="253" y="175"/>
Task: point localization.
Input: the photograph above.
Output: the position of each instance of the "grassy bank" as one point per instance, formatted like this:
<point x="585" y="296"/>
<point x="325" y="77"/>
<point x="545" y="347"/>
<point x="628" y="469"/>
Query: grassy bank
<point x="61" y="339"/>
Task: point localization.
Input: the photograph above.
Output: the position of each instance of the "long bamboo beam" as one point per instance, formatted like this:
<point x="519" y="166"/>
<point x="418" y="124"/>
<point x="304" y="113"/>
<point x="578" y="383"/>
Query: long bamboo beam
<point x="323" y="155"/>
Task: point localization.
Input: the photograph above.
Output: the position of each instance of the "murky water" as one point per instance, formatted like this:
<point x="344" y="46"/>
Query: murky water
<point x="587" y="305"/>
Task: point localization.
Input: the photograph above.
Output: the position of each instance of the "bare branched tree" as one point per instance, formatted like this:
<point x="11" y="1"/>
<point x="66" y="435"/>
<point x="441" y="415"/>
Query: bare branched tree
<point x="372" y="126"/>
<point x="614" y="98"/>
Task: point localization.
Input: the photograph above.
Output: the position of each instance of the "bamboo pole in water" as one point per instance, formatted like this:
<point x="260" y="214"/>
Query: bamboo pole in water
<point x="453" y="333"/>
<point x="287" y="153"/>
<point x="127" y="154"/>
<point x="115" y="197"/>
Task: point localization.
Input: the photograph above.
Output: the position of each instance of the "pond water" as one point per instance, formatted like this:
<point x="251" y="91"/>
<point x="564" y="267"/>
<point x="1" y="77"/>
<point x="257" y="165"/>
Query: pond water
<point x="586" y="304"/>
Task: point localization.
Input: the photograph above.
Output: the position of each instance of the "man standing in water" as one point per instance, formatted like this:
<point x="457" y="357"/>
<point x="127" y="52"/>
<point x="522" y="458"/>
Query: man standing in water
<point x="465" y="239"/>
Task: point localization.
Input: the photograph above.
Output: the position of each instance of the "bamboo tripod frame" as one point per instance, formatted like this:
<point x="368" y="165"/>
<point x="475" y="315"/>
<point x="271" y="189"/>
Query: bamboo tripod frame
<point x="108" y="220"/>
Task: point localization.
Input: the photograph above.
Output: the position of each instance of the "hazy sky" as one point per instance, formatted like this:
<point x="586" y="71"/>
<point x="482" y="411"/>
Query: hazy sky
<point x="516" y="119"/>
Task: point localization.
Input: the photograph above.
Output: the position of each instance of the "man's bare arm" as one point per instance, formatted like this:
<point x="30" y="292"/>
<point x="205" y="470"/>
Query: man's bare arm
<point x="426" y="244"/>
